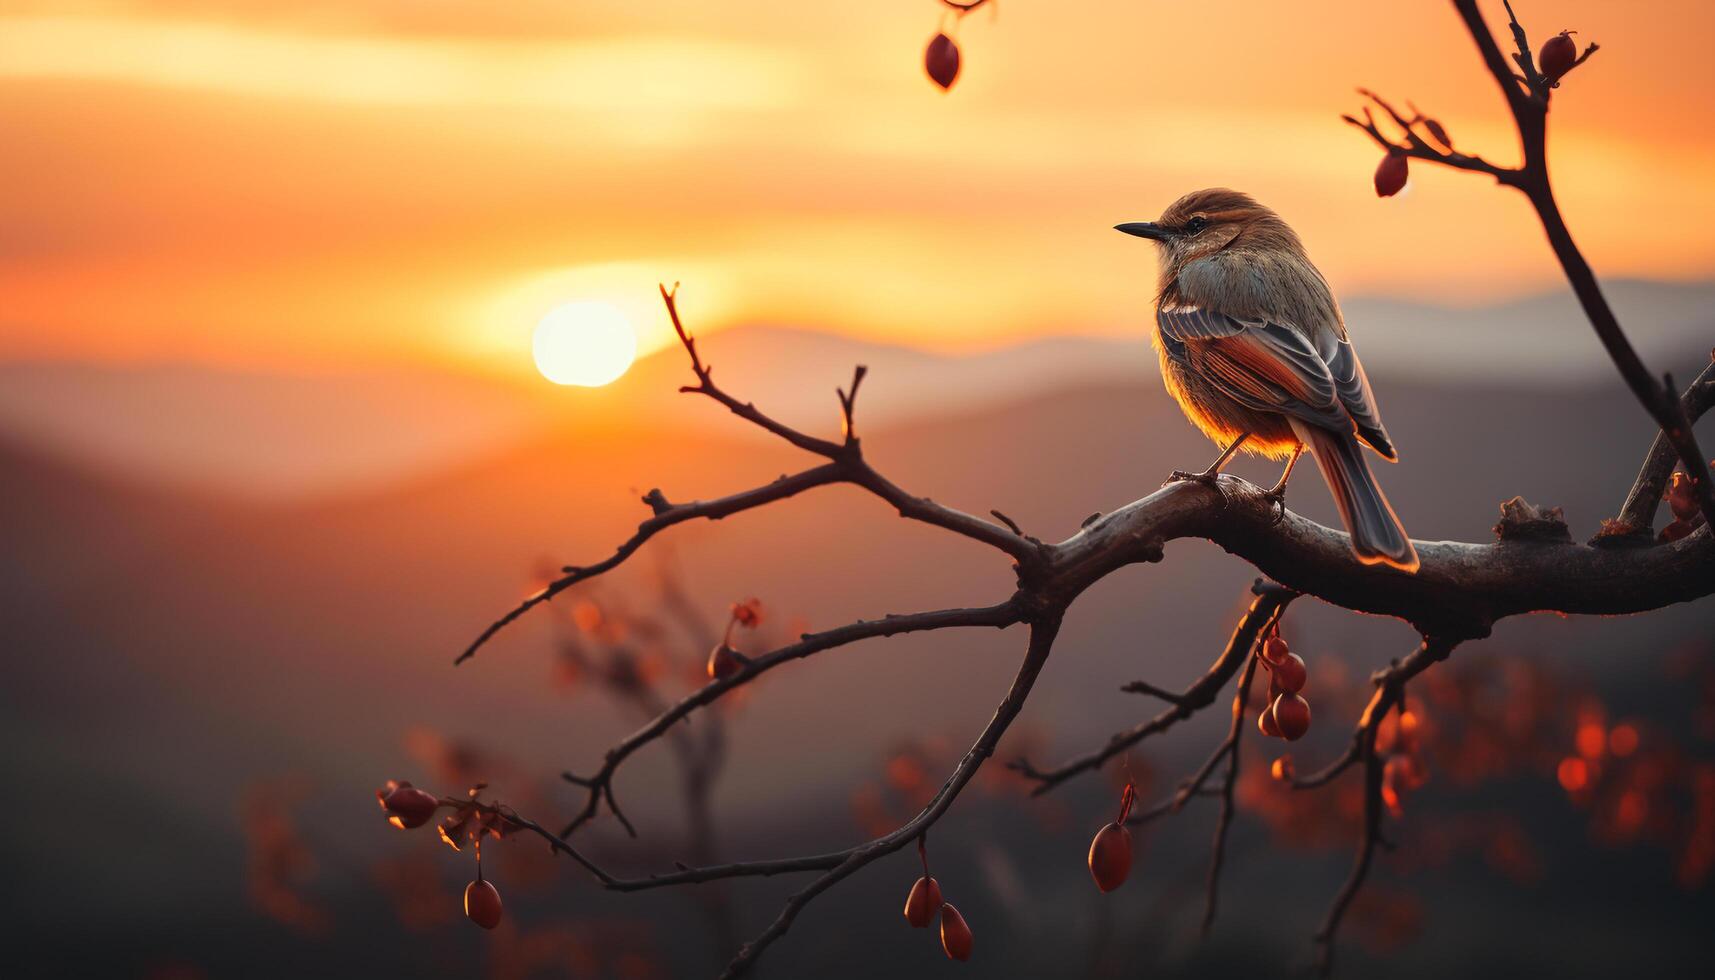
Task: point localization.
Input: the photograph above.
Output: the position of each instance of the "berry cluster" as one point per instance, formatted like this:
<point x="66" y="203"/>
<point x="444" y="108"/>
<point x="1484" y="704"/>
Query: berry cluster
<point x="1287" y="714"/>
<point x="1681" y="500"/>
<point x="408" y="807"/>
<point x="925" y="901"/>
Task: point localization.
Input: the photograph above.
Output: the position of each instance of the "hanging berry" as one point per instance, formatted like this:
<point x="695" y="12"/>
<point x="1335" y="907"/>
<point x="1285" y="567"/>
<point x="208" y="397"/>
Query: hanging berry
<point x="1291" y="716"/>
<point x="956" y="936"/>
<point x="1110" y="851"/>
<point x="482" y="903"/>
<point x="941" y="61"/>
<point x="1290" y="674"/>
<point x="925" y="898"/>
<point x="406" y="805"/>
<point x="1391" y="174"/>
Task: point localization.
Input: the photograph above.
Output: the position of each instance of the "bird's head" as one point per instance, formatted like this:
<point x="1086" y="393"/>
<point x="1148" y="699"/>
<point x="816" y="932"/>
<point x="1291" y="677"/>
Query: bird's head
<point x="1204" y="222"/>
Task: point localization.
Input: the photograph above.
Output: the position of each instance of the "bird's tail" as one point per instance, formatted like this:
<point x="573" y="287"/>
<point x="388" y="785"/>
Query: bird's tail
<point x="1377" y="537"/>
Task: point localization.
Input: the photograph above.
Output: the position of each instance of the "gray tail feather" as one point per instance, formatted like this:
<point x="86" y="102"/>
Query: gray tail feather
<point x="1377" y="537"/>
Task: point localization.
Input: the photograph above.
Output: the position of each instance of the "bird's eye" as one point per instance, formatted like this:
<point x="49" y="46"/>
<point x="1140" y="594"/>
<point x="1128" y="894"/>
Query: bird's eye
<point x="1196" y="225"/>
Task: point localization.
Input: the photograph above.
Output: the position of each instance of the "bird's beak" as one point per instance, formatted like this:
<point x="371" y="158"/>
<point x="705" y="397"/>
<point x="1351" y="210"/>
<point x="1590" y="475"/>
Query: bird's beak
<point x="1143" y="229"/>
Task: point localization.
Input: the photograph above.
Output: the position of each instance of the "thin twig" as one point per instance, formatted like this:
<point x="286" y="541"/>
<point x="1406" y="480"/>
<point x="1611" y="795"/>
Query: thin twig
<point x="1270" y="601"/>
<point x="599" y="787"/>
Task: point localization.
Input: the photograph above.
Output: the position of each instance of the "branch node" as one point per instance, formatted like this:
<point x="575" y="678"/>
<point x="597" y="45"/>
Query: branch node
<point x="1524" y="521"/>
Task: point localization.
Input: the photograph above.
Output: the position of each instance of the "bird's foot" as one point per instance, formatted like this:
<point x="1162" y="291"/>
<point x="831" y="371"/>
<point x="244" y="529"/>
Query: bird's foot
<point x="1209" y="478"/>
<point x="1277" y="501"/>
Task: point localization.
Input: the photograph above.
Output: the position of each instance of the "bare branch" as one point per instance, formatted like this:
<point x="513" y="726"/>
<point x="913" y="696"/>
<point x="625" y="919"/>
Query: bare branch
<point x="1639" y="509"/>
<point x="1218" y="850"/>
<point x="1389" y="696"/>
<point x="600" y="786"/>
<point x="1042" y="633"/>
<point x="665" y="516"/>
<point x="1270" y="601"/>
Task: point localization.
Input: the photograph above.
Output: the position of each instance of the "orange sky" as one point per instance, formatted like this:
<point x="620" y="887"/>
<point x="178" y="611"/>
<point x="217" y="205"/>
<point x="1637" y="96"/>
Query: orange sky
<point x="357" y="181"/>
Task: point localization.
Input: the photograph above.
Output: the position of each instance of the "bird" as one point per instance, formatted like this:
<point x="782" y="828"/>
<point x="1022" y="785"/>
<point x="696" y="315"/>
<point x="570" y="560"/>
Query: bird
<point x="1254" y="349"/>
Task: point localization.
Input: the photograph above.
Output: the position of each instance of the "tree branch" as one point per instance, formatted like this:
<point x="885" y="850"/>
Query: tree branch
<point x="1527" y="93"/>
<point x="600" y="786"/>
<point x="1042" y="633"/>
<point x="1218" y="850"/>
<point x="1389" y="696"/>
<point x="1271" y="600"/>
<point x="1639" y="510"/>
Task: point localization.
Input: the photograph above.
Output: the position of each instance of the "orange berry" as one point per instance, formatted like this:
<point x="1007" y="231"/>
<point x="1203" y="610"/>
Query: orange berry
<point x="407" y="806"/>
<point x="1391" y="174"/>
<point x="1559" y="53"/>
<point x="1282" y="770"/>
<point x="1680" y="498"/>
<point x="482" y="904"/>
<point x="1274" y="649"/>
<point x="956" y="936"/>
<point x="923" y="902"/>
<point x="723" y="662"/>
<point x="1110" y="856"/>
<point x="1265" y="721"/>
<point x="1291" y="716"/>
<point x="1290" y="674"/>
<point x="941" y="61"/>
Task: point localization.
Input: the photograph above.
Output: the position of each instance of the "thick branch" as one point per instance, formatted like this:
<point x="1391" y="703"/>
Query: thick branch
<point x="1270" y="601"/>
<point x="1459" y="591"/>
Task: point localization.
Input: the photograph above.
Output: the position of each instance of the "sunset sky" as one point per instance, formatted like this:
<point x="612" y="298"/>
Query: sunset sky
<point x="338" y="182"/>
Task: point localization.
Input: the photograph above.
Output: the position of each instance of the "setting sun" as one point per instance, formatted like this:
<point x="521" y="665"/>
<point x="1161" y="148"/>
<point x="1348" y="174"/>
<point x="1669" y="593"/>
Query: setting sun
<point x="587" y="343"/>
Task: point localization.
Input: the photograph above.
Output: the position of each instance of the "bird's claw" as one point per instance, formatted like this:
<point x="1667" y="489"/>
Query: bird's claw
<point x="1277" y="499"/>
<point x="1206" y="478"/>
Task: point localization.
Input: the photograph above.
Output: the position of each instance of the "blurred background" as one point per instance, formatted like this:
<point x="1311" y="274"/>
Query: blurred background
<point x="281" y="291"/>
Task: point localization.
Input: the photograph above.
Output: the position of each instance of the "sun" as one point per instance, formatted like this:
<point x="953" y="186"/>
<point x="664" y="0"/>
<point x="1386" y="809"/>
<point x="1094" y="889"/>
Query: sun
<point x="587" y="343"/>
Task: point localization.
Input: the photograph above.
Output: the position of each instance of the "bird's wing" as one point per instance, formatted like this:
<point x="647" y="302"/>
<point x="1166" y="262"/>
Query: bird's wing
<point x="1354" y="388"/>
<point x="1270" y="367"/>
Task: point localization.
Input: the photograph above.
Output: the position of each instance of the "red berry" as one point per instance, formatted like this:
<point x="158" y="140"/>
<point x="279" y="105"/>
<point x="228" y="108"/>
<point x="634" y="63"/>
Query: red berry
<point x="407" y="806"/>
<point x="1438" y="131"/>
<point x="1680" y="498"/>
<point x="1391" y="174"/>
<point x="1274" y="649"/>
<point x="1290" y="675"/>
<point x="1110" y="856"/>
<point x="1265" y="722"/>
<point x="482" y="904"/>
<point x="1557" y="56"/>
<point x="956" y="937"/>
<point x="1291" y="716"/>
<point x="941" y="61"/>
<point x="923" y="902"/>
<point x="1282" y="770"/>
<point x="723" y="662"/>
<point x="1675" y="531"/>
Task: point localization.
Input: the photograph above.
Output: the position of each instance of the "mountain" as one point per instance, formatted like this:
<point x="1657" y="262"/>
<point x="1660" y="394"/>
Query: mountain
<point x="170" y="649"/>
<point x="291" y="436"/>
